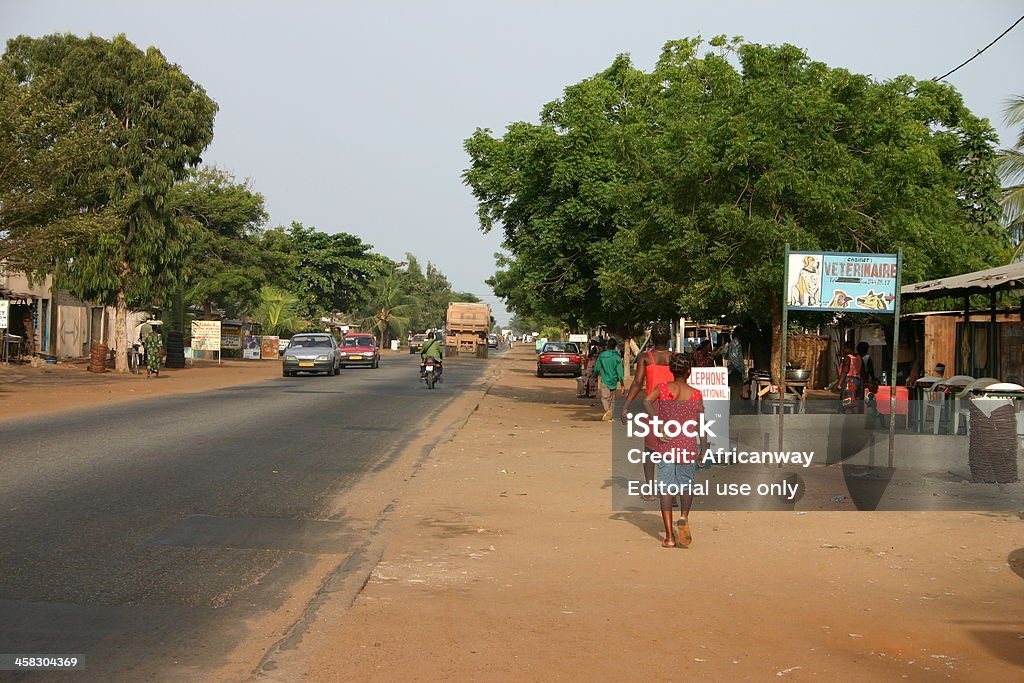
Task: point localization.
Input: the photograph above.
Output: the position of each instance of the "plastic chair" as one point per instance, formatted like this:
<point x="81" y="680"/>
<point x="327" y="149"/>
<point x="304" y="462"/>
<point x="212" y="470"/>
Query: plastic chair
<point x="938" y="399"/>
<point x="964" y="411"/>
<point x="902" y="402"/>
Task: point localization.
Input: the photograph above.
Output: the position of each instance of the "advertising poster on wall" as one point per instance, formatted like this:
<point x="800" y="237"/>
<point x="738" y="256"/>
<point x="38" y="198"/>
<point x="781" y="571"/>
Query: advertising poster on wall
<point x="5" y="314"/>
<point x="268" y="347"/>
<point x="864" y="283"/>
<point x="252" y="347"/>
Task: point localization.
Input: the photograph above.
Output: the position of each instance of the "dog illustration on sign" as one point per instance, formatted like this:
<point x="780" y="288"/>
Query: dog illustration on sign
<point x="806" y="291"/>
<point x="872" y="301"/>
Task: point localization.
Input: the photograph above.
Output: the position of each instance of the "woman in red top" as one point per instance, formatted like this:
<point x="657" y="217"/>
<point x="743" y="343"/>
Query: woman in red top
<point x="651" y="370"/>
<point x="850" y="380"/>
<point x="679" y="402"/>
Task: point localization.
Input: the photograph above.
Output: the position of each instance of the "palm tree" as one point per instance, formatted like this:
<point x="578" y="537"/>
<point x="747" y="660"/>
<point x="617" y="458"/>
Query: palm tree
<point x="276" y="311"/>
<point x="1011" y="168"/>
<point x="388" y="308"/>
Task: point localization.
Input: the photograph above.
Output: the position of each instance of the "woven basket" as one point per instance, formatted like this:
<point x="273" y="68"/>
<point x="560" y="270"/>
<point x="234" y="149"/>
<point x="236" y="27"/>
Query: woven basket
<point x="992" y="454"/>
<point x="98" y="358"/>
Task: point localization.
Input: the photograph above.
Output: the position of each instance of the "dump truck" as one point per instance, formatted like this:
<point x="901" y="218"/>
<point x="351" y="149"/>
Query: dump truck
<point x="466" y="330"/>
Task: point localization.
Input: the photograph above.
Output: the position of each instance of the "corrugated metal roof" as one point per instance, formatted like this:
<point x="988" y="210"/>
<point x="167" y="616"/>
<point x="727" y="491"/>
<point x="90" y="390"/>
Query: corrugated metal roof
<point x="992" y="279"/>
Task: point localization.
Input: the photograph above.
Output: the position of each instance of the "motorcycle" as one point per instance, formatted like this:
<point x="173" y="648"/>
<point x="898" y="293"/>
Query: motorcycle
<point x="431" y="372"/>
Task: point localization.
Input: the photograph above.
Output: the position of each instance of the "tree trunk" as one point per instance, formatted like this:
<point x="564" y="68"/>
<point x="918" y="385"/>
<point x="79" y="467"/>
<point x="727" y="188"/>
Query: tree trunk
<point x="207" y="310"/>
<point x="775" y="305"/>
<point x="121" y="333"/>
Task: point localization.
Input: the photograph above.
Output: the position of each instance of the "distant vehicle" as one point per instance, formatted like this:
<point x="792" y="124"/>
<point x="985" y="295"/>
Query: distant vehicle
<point x="492" y="341"/>
<point x="359" y="349"/>
<point x="417" y="342"/>
<point x="466" y="329"/>
<point x="560" y="358"/>
<point x="311" y="352"/>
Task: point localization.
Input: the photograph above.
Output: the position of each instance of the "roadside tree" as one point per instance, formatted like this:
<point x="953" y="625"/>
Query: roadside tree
<point x="648" y="195"/>
<point x="160" y="122"/>
<point x="332" y="272"/>
<point x="47" y="199"/>
<point x="225" y="266"/>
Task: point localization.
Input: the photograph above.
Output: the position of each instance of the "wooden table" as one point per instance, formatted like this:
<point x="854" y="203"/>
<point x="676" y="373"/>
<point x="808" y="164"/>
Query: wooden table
<point x="765" y="386"/>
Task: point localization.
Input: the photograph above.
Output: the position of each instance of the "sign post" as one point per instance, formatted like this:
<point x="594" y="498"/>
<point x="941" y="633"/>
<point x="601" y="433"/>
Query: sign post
<point x="845" y="283"/>
<point x="206" y="336"/>
<point x="5" y="314"/>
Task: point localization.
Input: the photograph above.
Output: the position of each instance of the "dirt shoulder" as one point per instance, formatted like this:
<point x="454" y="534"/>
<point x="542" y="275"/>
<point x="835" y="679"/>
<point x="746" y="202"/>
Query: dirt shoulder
<point x="504" y="559"/>
<point x="27" y="390"/>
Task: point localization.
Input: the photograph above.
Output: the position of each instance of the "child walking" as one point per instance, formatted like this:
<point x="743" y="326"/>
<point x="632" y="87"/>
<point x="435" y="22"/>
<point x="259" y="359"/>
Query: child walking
<point x="680" y="402"/>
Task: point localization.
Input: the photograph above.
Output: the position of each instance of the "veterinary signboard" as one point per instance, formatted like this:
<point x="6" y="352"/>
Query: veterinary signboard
<point x="831" y="281"/>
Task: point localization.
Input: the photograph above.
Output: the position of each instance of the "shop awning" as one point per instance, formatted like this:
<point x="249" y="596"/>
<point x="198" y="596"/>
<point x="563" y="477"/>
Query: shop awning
<point x="15" y="297"/>
<point x="996" y="279"/>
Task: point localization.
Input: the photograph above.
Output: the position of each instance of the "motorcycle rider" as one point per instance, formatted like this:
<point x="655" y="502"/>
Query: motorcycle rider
<point x="431" y="349"/>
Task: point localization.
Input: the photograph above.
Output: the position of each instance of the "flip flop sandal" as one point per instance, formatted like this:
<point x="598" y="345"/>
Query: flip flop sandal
<point x="685" y="538"/>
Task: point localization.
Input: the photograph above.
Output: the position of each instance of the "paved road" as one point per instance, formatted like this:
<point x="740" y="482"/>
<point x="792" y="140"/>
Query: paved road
<point x="143" y="536"/>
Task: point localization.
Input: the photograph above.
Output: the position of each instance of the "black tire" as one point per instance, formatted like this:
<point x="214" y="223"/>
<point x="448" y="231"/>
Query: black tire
<point x="540" y="373"/>
<point x="430" y="380"/>
<point x="285" y="373"/>
<point x="376" y="364"/>
<point x="337" y="369"/>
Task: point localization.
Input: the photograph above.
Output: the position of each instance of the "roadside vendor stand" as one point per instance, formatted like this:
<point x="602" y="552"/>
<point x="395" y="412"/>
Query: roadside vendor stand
<point x="997" y="353"/>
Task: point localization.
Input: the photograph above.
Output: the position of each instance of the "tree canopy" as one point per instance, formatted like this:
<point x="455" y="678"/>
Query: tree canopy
<point x="225" y="266"/>
<point x="643" y="195"/>
<point x="160" y="121"/>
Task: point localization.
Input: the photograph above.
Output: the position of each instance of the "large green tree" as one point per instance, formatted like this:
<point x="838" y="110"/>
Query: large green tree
<point x="160" y="122"/>
<point x="332" y="271"/>
<point x="389" y="308"/>
<point x="642" y="195"/>
<point x="225" y="266"/>
<point x="48" y="179"/>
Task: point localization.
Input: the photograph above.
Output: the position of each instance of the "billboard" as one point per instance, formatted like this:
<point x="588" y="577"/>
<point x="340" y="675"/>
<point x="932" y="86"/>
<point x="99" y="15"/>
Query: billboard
<point x="268" y="346"/>
<point x="206" y="335"/>
<point x="835" y="281"/>
<point x="231" y="337"/>
<point x="252" y="347"/>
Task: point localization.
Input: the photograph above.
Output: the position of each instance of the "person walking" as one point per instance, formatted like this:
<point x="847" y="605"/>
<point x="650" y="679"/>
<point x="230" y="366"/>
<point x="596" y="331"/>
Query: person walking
<point x="586" y="384"/>
<point x="608" y="368"/>
<point x="850" y="381"/>
<point x="651" y="370"/>
<point x="677" y="401"/>
<point x="152" y="344"/>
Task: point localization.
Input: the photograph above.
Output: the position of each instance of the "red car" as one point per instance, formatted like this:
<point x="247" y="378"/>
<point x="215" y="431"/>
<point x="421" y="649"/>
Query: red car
<point x="560" y="358"/>
<point x="359" y="349"/>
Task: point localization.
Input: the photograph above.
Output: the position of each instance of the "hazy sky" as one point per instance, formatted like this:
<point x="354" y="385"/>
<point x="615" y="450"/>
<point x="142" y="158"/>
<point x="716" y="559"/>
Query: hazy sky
<point x="351" y="115"/>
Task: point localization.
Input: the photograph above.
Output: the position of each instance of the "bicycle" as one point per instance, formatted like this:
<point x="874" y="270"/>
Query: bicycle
<point x="136" y="359"/>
